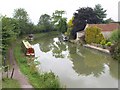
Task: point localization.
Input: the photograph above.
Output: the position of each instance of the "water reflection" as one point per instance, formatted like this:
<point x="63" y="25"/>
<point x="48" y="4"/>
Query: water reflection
<point x="58" y="48"/>
<point x="76" y="65"/>
<point x="86" y="62"/>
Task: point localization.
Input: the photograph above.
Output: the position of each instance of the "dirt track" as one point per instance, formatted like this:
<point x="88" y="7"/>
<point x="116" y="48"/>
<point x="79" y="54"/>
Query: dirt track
<point x="22" y="79"/>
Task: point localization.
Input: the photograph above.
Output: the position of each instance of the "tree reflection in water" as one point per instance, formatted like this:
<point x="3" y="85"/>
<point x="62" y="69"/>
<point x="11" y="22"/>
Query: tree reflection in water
<point x="85" y="61"/>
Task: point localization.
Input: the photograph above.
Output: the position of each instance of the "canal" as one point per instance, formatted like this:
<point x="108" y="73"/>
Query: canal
<point x="75" y="65"/>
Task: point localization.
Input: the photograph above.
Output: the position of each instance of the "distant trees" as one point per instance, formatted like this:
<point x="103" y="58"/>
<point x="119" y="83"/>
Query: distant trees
<point x="22" y="18"/>
<point x="45" y="23"/>
<point x="56" y="22"/>
<point x="109" y="20"/>
<point x="21" y="15"/>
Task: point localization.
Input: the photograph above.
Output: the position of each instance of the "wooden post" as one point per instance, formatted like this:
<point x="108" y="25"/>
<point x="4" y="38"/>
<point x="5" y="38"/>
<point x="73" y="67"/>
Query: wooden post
<point x="7" y="71"/>
<point x="12" y="73"/>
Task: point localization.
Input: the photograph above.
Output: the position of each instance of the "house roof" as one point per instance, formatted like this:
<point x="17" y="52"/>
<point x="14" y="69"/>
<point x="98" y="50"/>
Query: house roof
<point x="106" y="27"/>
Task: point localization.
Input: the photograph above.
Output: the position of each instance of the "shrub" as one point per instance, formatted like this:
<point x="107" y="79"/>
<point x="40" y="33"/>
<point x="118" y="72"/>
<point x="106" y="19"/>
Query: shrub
<point x="93" y="35"/>
<point x="115" y="51"/>
<point x="114" y="36"/>
<point x="108" y="44"/>
<point x="103" y="42"/>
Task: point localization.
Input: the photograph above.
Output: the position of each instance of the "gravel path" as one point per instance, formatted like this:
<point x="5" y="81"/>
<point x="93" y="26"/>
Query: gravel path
<point x="22" y="79"/>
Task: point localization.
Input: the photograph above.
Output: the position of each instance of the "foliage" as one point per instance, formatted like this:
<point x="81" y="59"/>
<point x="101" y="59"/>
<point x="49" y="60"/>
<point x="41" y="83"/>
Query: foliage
<point x="23" y="23"/>
<point x="44" y="23"/>
<point x="57" y="15"/>
<point x="115" y="51"/>
<point x="93" y="35"/>
<point x="62" y="25"/>
<point x="109" y="20"/>
<point x="87" y="15"/>
<point x="59" y="21"/>
<point x="108" y="44"/>
<point x="70" y="26"/>
<point x="81" y="17"/>
<point x="38" y="80"/>
<point x="21" y="14"/>
<point x="8" y="33"/>
<point x="114" y="36"/>
<point x="100" y="13"/>
<point x="103" y="42"/>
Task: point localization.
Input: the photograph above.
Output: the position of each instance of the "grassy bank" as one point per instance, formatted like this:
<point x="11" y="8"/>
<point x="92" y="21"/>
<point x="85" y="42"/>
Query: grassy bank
<point x="10" y="83"/>
<point x="37" y="80"/>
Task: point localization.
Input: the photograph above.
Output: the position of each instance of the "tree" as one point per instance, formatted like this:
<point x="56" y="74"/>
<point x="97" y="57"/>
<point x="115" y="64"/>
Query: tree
<point x="57" y="18"/>
<point x="100" y="13"/>
<point x="62" y="25"/>
<point x="82" y="17"/>
<point x="70" y="26"/>
<point x="109" y="20"/>
<point x="21" y="16"/>
<point x="57" y="15"/>
<point x="45" y="22"/>
<point x="8" y="34"/>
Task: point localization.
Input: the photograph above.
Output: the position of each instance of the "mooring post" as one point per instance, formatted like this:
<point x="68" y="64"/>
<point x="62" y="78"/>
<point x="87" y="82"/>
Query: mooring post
<point x="12" y="73"/>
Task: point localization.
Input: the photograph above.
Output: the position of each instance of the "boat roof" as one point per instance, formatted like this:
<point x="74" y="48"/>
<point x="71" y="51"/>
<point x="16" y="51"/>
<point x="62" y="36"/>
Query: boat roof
<point x="27" y="44"/>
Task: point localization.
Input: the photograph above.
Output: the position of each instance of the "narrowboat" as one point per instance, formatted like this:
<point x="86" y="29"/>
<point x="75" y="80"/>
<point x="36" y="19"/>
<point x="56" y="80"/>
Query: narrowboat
<point x="27" y="48"/>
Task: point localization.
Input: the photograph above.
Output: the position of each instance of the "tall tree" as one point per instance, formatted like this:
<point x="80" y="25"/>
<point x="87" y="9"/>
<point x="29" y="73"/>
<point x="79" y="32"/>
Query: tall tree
<point x="56" y="17"/>
<point x="100" y="12"/>
<point x="8" y="34"/>
<point x="23" y="20"/>
<point x="45" y="22"/>
<point x="82" y="17"/>
<point x="21" y="14"/>
<point x="62" y="25"/>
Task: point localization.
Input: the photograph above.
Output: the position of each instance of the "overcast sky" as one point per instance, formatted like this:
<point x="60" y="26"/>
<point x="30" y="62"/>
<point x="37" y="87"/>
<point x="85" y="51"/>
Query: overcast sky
<point x="37" y="7"/>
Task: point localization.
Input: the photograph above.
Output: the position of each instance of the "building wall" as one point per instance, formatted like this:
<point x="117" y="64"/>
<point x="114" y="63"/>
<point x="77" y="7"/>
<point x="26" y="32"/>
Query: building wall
<point x="79" y="34"/>
<point x="107" y="34"/>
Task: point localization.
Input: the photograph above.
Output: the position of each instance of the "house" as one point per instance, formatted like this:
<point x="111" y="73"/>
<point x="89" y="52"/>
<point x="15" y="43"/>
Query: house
<point x="106" y="29"/>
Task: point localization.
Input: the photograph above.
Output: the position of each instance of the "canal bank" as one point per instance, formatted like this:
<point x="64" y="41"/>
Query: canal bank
<point x="35" y="78"/>
<point x="97" y="48"/>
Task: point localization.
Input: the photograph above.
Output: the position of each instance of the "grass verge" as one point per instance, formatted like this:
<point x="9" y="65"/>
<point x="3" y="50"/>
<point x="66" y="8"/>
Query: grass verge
<point x="37" y="80"/>
<point x="10" y="83"/>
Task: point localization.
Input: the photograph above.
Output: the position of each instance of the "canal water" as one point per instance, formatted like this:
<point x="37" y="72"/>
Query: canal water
<point x="75" y="65"/>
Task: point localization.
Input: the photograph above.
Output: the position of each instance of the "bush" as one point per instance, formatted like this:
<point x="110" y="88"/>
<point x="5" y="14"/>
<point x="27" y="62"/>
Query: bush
<point x="114" y="36"/>
<point x="103" y="42"/>
<point x="115" y="51"/>
<point x="108" y="44"/>
<point x="93" y="35"/>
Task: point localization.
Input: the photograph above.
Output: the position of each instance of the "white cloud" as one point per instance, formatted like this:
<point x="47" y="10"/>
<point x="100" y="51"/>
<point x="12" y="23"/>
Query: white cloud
<point x="37" y="7"/>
